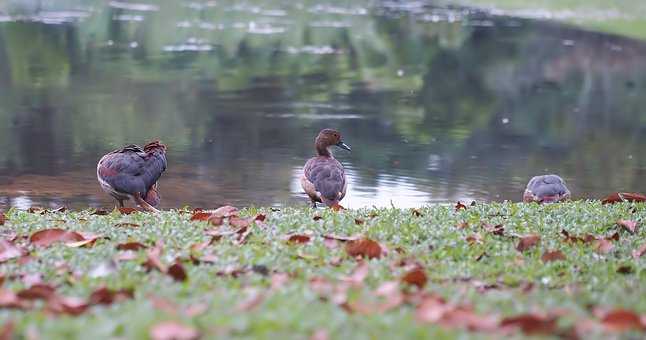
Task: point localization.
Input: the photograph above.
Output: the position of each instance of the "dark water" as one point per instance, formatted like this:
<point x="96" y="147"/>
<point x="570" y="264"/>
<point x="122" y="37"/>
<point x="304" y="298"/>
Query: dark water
<point x="438" y="104"/>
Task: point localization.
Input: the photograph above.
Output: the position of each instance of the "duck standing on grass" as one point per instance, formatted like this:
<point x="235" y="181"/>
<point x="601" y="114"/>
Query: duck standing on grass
<point x="546" y="189"/>
<point x="323" y="176"/>
<point x="133" y="172"/>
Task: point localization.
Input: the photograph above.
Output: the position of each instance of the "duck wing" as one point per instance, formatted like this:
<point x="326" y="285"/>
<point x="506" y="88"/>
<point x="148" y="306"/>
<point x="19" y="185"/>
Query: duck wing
<point x="131" y="170"/>
<point x="328" y="177"/>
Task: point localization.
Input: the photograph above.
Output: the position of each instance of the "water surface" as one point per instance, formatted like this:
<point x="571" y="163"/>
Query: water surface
<point x="439" y="104"/>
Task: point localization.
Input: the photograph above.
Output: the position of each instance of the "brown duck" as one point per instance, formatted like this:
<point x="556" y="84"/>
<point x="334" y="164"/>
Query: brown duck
<point x="133" y="172"/>
<point x="546" y="189"/>
<point x="323" y="176"/>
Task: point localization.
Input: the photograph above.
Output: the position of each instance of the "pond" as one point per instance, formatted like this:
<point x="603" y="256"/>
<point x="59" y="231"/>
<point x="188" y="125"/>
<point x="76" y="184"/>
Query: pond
<point x="439" y="104"/>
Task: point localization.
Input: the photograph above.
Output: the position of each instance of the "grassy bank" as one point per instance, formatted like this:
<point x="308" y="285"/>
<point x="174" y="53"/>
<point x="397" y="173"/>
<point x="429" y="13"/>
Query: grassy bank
<point x="623" y="17"/>
<point x="437" y="272"/>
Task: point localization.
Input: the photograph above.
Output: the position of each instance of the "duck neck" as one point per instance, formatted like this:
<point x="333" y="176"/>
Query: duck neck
<point x="323" y="150"/>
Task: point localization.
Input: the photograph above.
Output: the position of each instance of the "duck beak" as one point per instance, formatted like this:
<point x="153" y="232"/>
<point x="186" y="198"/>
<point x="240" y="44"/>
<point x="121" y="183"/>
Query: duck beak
<point x="343" y="146"/>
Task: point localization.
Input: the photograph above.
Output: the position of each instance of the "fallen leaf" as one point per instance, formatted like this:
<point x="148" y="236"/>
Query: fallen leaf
<point x="127" y="211"/>
<point x="239" y="222"/>
<point x="527" y="242"/>
<point x="172" y="330"/>
<point x="358" y="221"/>
<point x="342" y="238"/>
<point x="196" y="309"/>
<point x="358" y="275"/>
<point x="431" y="309"/>
<point x="153" y="257"/>
<point x="603" y="246"/>
<point x="623" y="197"/>
<point x="474" y="239"/>
<point x="553" y="255"/>
<point x="463" y="317"/>
<point x="497" y="229"/>
<point x="66" y="305"/>
<point x="620" y="320"/>
<point x="7" y="330"/>
<point x="200" y="216"/>
<point x="532" y="323"/>
<point x="106" y="296"/>
<point x="177" y="272"/>
<point x="629" y="225"/>
<point x="459" y="206"/>
<point x="364" y="248"/>
<point x="9" y="251"/>
<point x="260" y="218"/>
<point x="46" y="237"/>
<point x="253" y="300"/>
<point x="627" y="269"/>
<point x="38" y="291"/>
<point x="298" y="238"/>
<point x="637" y="253"/>
<point x="126" y="224"/>
<point x="9" y="299"/>
<point x="131" y="246"/>
<point x="317" y="217"/>
<point x="462" y="225"/>
<point x="2" y="218"/>
<point x="417" y="213"/>
<point x="163" y="304"/>
<point x="416" y="277"/>
<point x="226" y="211"/>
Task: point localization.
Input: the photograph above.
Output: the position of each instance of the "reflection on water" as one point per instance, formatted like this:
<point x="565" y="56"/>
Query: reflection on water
<point x="439" y="104"/>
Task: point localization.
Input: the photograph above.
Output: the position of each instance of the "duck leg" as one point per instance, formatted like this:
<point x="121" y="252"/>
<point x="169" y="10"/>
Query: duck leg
<point x="314" y="204"/>
<point x="120" y="203"/>
<point x="143" y="204"/>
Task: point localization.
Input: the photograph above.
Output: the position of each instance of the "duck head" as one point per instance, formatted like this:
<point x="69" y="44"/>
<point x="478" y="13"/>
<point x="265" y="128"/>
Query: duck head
<point x="327" y="138"/>
<point x="153" y="146"/>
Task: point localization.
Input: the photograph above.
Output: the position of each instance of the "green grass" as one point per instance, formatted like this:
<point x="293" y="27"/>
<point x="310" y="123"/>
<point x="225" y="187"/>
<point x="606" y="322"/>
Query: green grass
<point x="295" y="311"/>
<point x="623" y="17"/>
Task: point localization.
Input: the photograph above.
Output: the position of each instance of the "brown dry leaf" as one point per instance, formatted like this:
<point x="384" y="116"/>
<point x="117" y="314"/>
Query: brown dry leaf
<point x="623" y="197"/>
<point x="7" y="330"/>
<point x="239" y="222"/>
<point x="463" y="317"/>
<point x="620" y="320"/>
<point x="316" y="217"/>
<point x="200" y="216"/>
<point x="298" y="238"/>
<point x="553" y="255"/>
<point x="172" y="330"/>
<point x="226" y="211"/>
<point x="177" y="271"/>
<point x="416" y="277"/>
<point x="135" y="246"/>
<point x="342" y="238"/>
<point x="532" y="323"/>
<point x="2" y="218"/>
<point x="629" y="225"/>
<point x="459" y="206"/>
<point x="359" y="221"/>
<point x="625" y="269"/>
<point x="497" y="229"/>
<point x="126" y="256"/>
<point x="474" y="239"/>
<point x="127" y="211"/>
<point x="127" y="225"/>
<point x="38" y="291"/>
<point x="88" y="241"/>
<point x="260" y="218"/>
<point x="462" y="225"/>
<point x="66" y="305"/>
<point x="9" y="251"/>
<point x="417" y="213"/>
<point x="9" y="299"/>
<point x="431" y="309"/>
<point x="527" y="242"/>
<point x="46" y="237"/>
<point x="637" y="253"/>
<point x="603" y="246"/>
<point x="358" y="275"/>
<point x="364" y="248"/>
<point x="153" y="257"/>
<point x="106" y="296"/>
<point x="253" y="300"/>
